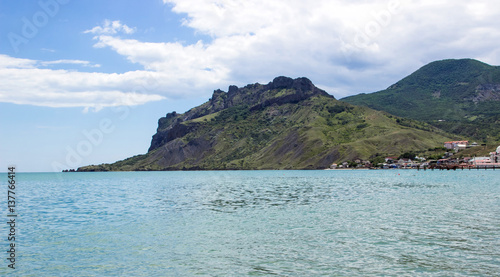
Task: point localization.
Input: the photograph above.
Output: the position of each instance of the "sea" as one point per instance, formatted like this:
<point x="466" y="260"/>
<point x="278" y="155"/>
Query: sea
<point x="255" y="223"/>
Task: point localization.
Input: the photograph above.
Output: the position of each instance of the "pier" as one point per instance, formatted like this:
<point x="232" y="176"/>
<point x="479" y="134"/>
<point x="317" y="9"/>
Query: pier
<point x="464" y="167"/>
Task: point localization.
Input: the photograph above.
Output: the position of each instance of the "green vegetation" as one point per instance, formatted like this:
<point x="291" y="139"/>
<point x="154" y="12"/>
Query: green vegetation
<point x="458" y="96"/>
<point x="287" y="124"/>
<point x="208" y="117"/>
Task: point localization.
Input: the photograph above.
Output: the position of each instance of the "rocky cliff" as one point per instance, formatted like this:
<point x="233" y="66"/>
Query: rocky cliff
<point x="281" y="90"/>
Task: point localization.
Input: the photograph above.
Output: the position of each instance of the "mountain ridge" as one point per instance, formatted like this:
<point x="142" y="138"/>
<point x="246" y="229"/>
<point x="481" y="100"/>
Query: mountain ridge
<point x="169" y="127"/>
<point x="461" y="96"/>
<point x="285" y="124"/>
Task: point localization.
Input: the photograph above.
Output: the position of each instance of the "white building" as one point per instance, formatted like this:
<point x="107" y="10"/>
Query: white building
<point x="457" y="144"/>
<point x="495" y="156"/>
<point x="480" y="160"/>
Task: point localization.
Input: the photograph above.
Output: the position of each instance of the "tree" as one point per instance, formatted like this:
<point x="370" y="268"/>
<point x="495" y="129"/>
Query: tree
<point x="408" y="155"/>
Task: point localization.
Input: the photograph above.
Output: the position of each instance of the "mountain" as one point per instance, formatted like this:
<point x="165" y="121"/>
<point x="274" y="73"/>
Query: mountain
<point x="458" y="96"/>
<point x="285" y="124"/>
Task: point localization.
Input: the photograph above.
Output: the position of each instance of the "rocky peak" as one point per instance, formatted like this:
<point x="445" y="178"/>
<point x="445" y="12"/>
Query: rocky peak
<point x="281" y="82"/>
<point x="218" y="100"/>
<point x="255" y="96"/>
<point x="232" y="90"/>
<point x="303" y="84"/>
<point x="171" y="115"/>
<point x="300" y="84"/>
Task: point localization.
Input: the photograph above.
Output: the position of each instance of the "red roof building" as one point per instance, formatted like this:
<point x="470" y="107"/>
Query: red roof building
<point x="456" y="144"/>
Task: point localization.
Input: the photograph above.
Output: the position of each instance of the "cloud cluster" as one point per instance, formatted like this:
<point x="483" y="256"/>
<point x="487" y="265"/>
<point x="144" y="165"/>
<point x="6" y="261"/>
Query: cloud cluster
<point x="111" y="28"/>
<point x="24" y="82"/>
<point x="345" y="47"/>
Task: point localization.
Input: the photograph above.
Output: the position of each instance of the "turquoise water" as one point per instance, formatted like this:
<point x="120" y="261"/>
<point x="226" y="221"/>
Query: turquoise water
<point x="258" y="223"/>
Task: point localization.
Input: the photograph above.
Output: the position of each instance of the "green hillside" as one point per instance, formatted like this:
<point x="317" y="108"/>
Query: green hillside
<point x="286" y="124"/>
<point x="458" y="96"/>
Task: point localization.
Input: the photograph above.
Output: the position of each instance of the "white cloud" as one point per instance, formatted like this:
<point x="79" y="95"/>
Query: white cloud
<point x="343" y="46"/>
<point x="7" y="62"/>
<point x="111" y="28"/>
<point x="347" y="46"/>
<point x="77" y="62"/>
<point x="48" y="50"/>
<point x="24" y="83"/>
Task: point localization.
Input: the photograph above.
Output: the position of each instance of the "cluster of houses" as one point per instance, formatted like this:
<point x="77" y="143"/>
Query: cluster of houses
<point x="394" y="162"/>
<point x="481" y="162"/>
<point x="493" y="161"/>
<point x="358" y="164"/>
<point x="390" y="162"/>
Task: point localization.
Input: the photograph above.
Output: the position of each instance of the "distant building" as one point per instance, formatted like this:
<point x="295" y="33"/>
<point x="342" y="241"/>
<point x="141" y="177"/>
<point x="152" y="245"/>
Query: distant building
<point x="462" y="146"/>
<point x="457" y="144"/>
<point x="480" y="160"/>
<point x="367" y="163"/>
<point x="390" y="159"/>
<point x="495" y="156"/>
<point x="442" y="161"/>
<point x="420" y="158"/>
<point x="404" y="161"/>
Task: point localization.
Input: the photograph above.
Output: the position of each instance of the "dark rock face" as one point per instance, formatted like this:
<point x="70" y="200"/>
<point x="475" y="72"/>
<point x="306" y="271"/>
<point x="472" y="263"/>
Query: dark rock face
<point x="177" y="130"/>
<point x="256" y="96"/>
<point x="293" y="98"/>
<point x="252" y="95"/>
<point x="218" y="100"/>
<point x="302" y="84"/>
<point x="232" y="90"/>
<point x="176" y="151"/>
<point x="281" y="83"/>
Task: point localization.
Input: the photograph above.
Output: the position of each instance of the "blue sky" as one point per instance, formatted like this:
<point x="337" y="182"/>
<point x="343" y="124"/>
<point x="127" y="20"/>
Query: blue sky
<point x="111" y="69"/>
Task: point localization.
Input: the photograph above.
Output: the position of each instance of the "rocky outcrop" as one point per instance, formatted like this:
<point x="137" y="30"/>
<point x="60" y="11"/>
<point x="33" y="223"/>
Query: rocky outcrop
<point x="255" y="94"/>
<point x="486" y="92"/>
<point x="177" y="130"/>
<point x="292" y="98"/>
<point x="177" y="151"/>
<point x="280" y="91"/>
<point x="301" y="85"/>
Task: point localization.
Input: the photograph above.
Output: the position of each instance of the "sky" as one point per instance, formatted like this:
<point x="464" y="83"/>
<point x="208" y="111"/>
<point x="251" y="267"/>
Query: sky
<point x="85" y="82"/>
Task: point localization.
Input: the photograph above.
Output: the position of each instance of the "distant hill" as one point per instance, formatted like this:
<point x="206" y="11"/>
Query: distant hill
<point x="285" y="124"/>
<point x="458" y="96"/>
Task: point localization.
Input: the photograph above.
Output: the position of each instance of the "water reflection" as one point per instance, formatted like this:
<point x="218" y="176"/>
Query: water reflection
<point x="261" y="193"/>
